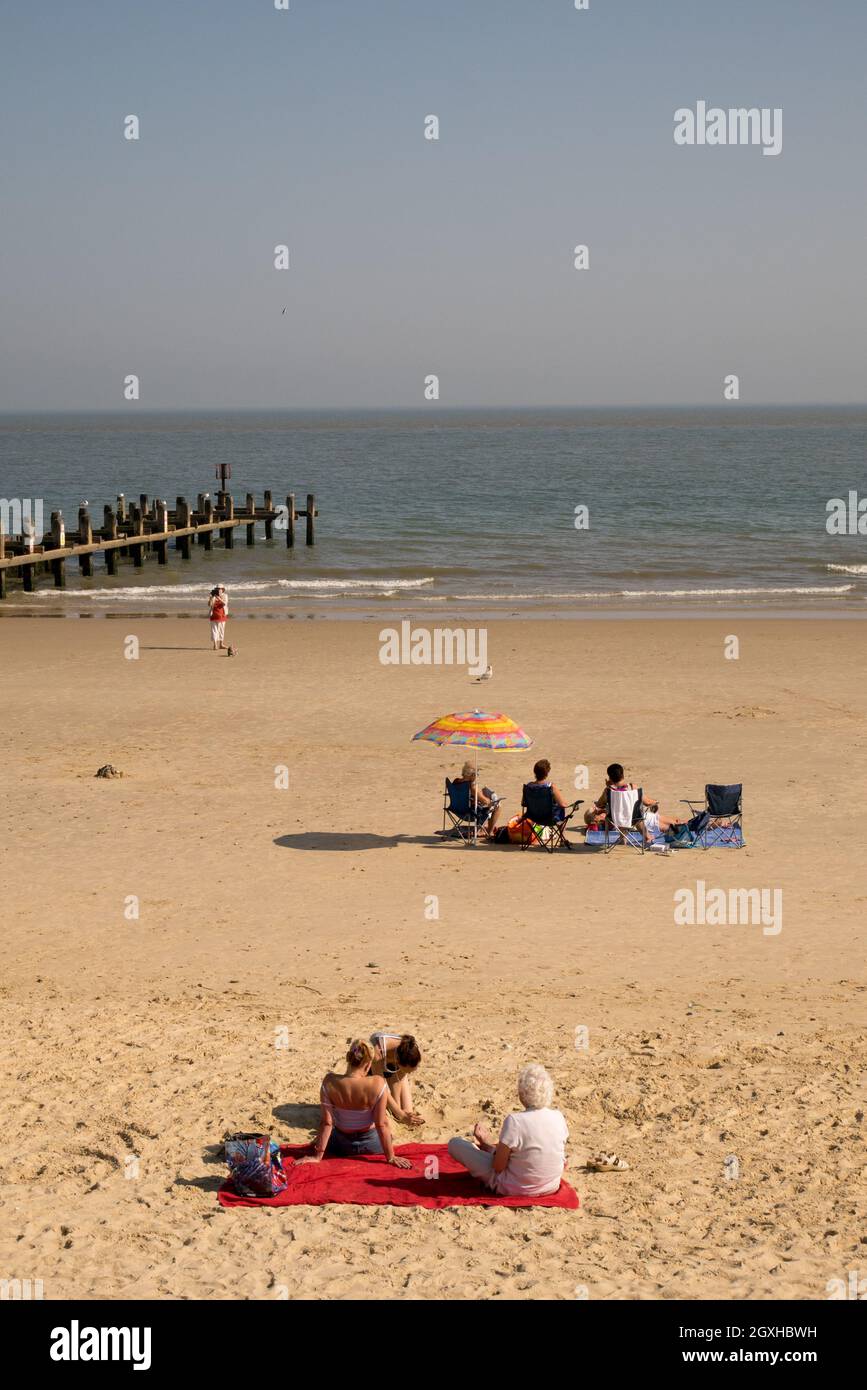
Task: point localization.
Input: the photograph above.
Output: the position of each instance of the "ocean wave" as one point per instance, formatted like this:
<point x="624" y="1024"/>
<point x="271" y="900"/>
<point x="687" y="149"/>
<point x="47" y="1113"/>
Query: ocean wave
<point x="332" y="590"/>
<point x="661" y="593"/>
<point x="180" y="592"/>
<point x="847" y="569"/>
<point x="347" y="585"/>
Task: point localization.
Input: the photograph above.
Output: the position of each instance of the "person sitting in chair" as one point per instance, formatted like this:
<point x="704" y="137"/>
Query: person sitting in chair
<point x="541" y="772"/>
<point x="646" y="818"/>
<point x="487" y="809"/>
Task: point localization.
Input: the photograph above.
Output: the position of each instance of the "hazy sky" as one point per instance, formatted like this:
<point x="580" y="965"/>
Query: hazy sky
<point x="410" y="256"/>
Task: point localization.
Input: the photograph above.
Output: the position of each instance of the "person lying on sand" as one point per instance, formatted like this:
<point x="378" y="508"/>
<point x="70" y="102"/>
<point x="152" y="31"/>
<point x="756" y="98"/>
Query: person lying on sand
<point x="649" y="824"/>
<point x="354" y="1118"/>
<point x="529" y="1157"/>
<point x="486" y="818"/>
<point x="396" y="1056"/>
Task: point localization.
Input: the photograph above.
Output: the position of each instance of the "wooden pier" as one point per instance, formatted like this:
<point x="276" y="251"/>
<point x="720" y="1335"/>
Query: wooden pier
<point x="134" y="530"/>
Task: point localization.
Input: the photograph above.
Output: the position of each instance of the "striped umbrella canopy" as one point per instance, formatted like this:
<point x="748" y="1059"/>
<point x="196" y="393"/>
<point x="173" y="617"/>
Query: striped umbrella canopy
<point x="476" y="729"/>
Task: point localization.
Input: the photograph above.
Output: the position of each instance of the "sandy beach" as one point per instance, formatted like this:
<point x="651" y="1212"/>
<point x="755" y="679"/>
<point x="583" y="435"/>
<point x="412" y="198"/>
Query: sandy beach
<point x="298" y="916"/>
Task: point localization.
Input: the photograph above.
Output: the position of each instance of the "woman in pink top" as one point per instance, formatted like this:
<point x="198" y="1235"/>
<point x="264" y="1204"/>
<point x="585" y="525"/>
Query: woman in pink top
<point x="354" y="1116"/>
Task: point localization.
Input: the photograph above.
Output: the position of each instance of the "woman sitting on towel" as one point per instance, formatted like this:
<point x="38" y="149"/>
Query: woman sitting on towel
<point x="529" y="1157"/>
<point x="481" y="799"/>
<point x="354" y="1118"/>
<point x="396" y="1056"/>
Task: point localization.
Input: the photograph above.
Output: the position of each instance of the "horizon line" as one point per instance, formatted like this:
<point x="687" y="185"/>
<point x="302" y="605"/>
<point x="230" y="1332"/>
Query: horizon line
<point x="428" y="407"/>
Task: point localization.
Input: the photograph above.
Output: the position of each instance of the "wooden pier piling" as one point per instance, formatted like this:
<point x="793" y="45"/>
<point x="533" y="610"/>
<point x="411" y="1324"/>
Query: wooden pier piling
<point x="58" y="542"/>
<point x="85" y="537"/>
<point x="109" y="531"/>
<point x="161" y="524"/>
<point x="182" y="519"/>
<point x="137" y="530"/>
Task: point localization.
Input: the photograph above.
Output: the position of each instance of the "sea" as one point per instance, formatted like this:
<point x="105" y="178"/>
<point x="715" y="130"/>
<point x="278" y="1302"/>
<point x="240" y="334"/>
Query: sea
<point x="480" y="513"/>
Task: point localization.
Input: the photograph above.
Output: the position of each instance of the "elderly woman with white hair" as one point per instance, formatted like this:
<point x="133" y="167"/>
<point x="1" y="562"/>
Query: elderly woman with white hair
<point x="482" y="799"/>
<point x="530" y="1155"/>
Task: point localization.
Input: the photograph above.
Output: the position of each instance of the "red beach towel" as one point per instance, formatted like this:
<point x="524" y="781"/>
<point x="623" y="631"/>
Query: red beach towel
<point x="370" y="1181"/>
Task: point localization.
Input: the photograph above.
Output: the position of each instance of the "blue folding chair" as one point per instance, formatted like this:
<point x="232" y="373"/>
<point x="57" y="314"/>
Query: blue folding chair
<point x="541" y="810"/>
<point x="722" y="801"/>
<point x="460" y="810"/>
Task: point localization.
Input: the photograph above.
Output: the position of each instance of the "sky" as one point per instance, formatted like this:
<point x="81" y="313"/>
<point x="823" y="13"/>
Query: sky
<point x="411" y="257"/>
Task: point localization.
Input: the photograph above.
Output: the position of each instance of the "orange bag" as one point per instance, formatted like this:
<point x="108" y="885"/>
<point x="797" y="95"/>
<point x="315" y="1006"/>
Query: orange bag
<point x="520" y="830"/>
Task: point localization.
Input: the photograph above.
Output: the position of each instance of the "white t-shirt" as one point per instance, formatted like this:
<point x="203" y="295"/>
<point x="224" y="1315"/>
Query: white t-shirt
<point x="537" y="1139"/>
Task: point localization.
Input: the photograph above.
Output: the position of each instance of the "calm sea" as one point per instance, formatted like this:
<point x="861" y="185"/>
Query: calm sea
<point x="472" y="511"/>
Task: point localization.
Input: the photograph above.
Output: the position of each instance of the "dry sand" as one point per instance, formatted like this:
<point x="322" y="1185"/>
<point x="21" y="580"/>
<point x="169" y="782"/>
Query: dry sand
<point x="132" y="1047"/>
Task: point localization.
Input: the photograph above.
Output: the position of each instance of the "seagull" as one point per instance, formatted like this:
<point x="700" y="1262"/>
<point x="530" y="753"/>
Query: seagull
<point x="284" y="311"/>
<point x="486" y="676"/>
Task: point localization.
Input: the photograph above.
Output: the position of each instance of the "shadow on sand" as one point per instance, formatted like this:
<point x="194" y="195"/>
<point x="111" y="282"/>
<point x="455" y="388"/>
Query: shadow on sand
<point x="349" y="841"/>
<point x="203" y="1184"/>
<point x="298" y="1116"/>
<point x="334" y="839"/>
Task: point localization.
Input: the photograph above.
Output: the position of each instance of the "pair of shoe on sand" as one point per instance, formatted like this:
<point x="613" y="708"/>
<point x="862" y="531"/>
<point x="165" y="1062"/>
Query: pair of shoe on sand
<point x="607" y="1163"/>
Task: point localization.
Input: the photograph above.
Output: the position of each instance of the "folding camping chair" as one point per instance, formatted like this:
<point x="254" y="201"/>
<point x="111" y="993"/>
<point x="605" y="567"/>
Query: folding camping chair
<point x="539" y="808"/>
<point x="459" y="808"/>
<point x="721" y="801"/>
<point x="622" y="812"/>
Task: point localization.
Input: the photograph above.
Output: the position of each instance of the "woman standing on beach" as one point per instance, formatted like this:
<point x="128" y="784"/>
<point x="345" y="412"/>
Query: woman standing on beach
<point x="218" y="612"/>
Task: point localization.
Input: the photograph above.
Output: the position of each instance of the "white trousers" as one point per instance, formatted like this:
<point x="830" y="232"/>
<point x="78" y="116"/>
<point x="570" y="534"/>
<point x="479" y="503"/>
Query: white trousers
<point x="218" y="632"/>
<point x="476" y="1161"/>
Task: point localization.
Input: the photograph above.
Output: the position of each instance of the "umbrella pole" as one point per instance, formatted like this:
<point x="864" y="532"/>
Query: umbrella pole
<point x="476" y="793"/>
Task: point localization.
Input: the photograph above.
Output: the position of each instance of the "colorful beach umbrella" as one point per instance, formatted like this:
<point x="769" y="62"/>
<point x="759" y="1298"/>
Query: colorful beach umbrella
<point x="476" y="729"/>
